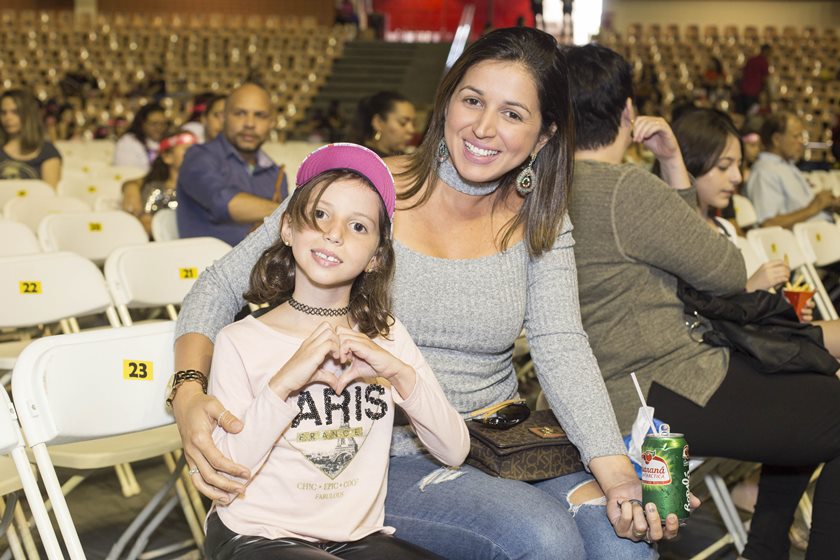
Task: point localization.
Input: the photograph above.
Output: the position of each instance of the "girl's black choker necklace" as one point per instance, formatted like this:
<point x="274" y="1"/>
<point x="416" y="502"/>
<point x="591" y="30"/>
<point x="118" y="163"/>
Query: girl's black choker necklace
<point x="321" y="311"/>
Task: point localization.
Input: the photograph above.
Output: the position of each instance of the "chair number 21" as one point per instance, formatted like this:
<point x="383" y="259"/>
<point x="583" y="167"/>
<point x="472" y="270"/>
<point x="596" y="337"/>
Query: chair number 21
<point x="135" y="369"/>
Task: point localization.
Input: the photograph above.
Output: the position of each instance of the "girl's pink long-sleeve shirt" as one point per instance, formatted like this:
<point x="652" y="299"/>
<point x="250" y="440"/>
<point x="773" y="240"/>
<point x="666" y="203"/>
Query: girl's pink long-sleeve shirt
<point x="319" y="461"/>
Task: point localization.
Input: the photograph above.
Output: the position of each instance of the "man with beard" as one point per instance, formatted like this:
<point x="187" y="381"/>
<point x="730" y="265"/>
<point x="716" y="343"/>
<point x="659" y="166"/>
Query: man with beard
<point x="228" y="184"/>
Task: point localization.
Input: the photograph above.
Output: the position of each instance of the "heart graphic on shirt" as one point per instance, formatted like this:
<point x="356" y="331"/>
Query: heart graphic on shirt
<point x="331" y="429"/>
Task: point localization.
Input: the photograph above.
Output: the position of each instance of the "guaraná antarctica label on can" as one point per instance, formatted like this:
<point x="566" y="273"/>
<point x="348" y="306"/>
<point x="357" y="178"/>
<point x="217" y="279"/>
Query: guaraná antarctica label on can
<point x="665" y="475"/>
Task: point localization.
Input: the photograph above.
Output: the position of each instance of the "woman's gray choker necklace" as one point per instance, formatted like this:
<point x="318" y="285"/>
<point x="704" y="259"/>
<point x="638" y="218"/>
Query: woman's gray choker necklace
<point x="449" y="175"/>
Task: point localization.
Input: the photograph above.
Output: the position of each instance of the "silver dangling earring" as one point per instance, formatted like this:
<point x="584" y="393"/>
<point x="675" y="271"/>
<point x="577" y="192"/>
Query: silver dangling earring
<point x="442" y="152"/>
<point x="378" y="136"/>
<point x="525" y="181"/>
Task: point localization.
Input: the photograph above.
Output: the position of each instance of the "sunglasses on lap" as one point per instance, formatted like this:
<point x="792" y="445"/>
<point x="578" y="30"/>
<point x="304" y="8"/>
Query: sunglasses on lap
<point x="503" y="415"/>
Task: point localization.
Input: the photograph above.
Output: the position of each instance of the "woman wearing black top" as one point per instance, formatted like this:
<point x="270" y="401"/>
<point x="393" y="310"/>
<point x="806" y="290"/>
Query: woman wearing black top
<point x="25" y="154"/>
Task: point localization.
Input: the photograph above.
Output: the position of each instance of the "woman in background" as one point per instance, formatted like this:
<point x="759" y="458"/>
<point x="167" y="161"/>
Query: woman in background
<point x="384" y="123"/>
<point x="25" y="153"/>
<point x="207" y="118"/>
<point x="139" y="146"/>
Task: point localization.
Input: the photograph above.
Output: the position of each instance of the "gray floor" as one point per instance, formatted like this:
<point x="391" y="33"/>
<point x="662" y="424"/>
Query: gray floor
<point x="101" y="513"/>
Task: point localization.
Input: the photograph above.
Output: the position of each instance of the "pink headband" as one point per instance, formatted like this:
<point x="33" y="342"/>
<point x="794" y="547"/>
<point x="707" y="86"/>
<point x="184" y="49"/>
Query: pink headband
<point x="182" y="138"/>
<point x="751" y="138"/>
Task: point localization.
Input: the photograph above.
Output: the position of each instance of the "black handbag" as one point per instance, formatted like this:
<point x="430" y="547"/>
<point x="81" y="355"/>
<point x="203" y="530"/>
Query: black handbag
<point x="763" y="326"/>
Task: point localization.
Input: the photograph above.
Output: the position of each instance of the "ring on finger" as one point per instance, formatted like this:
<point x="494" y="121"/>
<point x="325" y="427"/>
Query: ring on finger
<point x="193" y="470"/>
<point x="221" y="416"/>
<point x="636" y="502"/>
<point x="639" y="534"/>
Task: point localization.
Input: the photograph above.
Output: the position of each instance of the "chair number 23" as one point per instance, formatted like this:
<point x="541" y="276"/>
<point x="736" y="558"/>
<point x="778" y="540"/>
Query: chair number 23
<point x="135" y="369"/>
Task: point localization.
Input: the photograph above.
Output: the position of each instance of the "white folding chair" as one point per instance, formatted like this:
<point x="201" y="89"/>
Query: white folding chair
<point x="96" y="399"/>
<point x="158" y="274"/>
<point x="21" y="188"/>
<point x="30" y="210"/>
<point x="49" y="288"/>
<point x="91" y="234"/>
<point x="778" y="243"/>
<point x="119" y="173"/>
<point x="751" y="260"/>
<point x="165" y="225"/>
<point x="745" y="214"/>
<point x="17" y="239"/>
<point x="89" y="188"/>
<point x="16" y="474"/>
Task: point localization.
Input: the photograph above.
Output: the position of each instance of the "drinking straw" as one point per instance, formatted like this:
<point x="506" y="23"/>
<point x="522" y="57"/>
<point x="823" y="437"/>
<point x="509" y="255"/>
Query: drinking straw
<point x="644" y="404"/>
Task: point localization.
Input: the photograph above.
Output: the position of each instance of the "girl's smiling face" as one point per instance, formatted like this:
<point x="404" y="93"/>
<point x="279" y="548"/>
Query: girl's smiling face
<point x="343" y="245"/>
<point x="716" y="187"/>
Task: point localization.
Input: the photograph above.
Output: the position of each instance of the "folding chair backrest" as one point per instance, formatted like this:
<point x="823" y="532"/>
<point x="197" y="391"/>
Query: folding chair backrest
<point x="820" y="240"/>
<point x="120" y="173"/>
<point x="48" y="287"/>
<point x="89" y="188"/>
<point x="751" y="260"/>
<point x="91" y="234"/>
<point x="21" y="188"/>
<point x="165" y="225"/>
<point x="30" y="210"/>
<point x="94" y="384"/>
<point x="91" y="385"/>
<point x="17" y="239"/>
<point x="773" y="243"/>
<point x="745" y="214"/>
<point x="160" y="273"/>
<point x="13" y="445"/>
<point x="778" y="243"/>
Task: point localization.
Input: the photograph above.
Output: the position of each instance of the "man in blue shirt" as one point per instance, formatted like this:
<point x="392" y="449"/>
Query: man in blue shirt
<point x="778" y="190"/>
<point x="228" y="184"/>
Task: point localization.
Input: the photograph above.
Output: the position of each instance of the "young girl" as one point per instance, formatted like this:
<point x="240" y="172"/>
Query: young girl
<point x="144" y="197"/>
<point x="316" y="378"/>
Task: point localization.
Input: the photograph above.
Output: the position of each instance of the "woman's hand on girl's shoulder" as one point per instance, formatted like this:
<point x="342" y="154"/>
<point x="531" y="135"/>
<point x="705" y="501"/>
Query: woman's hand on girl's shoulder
<point x="304" y="367"/>
<point x="368" y="359"/>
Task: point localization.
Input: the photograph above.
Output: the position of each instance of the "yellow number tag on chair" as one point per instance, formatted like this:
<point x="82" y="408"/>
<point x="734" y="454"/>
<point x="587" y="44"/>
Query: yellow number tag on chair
<point x="136" y="369"/>
<point x="819" y="237"/>
<point x="773" y="248"/>
<point x="91" y="189"/>
<point x="95" y="226"/>
<point x="188" y="273"/>
<point x="22" y="192"/>
<point x="30" y="287"/>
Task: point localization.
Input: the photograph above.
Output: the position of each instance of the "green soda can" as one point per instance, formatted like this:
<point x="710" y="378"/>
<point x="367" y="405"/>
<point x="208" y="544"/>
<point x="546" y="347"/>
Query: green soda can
<point x="665" y="474"/>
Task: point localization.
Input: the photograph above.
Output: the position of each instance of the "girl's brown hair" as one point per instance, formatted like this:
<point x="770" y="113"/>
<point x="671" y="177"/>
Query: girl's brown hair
<point x="273" y="277"/>
<point x="543" y="211"/>
<point x="31" y="123"/>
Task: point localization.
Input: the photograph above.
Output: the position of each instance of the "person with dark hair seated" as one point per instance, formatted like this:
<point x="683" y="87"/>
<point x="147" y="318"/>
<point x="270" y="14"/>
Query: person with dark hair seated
<point x="207" y="117"/>
<point x="139" y="146"/>
<point x="24" y="151"/>
<point x="384" y="123"/>
<point x="637" y="236"/>
<point x="156" y="191"/>
<point x="780" y="192"/>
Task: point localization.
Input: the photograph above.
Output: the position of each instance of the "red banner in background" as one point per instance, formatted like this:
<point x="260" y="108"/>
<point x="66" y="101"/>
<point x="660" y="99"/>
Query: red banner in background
<point x="444" y="15"/>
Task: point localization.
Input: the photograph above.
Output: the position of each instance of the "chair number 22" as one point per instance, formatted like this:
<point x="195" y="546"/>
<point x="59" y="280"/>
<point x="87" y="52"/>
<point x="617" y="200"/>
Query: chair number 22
<point x="135" y="369"/>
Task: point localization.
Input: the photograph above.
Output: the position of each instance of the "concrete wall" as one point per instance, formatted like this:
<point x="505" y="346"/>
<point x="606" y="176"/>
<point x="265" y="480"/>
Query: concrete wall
<point x="759" y="13"/>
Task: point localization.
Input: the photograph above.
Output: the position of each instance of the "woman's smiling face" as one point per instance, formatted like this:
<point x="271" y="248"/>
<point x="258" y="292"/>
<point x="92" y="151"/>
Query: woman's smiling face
<point x="493" y="120"/>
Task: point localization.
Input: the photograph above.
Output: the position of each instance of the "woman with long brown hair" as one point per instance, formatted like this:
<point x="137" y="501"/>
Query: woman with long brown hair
<point x="25" y="153"/>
